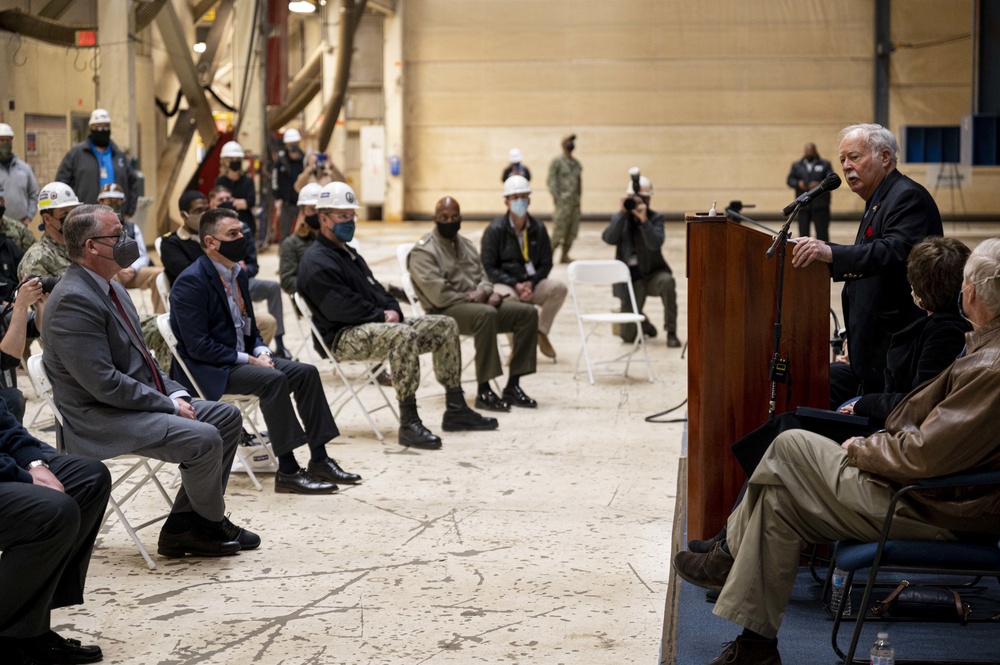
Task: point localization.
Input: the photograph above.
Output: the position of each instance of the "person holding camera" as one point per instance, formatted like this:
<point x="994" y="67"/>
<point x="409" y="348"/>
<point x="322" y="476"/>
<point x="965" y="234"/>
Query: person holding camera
<point x="636" y="231"/>
<point x="18" y="324"/>
<point x="239" y="184"/>
<point x="319" y="169"/>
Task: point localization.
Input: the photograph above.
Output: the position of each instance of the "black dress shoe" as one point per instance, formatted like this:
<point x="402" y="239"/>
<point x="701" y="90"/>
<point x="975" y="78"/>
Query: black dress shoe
<point x="330" y="471"/>
<point x="197" y="541"/>
<point x="516" y="397"/>
<point x="283" y="353"/>
<point x="705" y="546"/>
<point x="247" y="539"/>
<point x="53" y="648"/>
<point x="490" y="401"/>
<point x="458" y="419"/>
<point x="301" y="482"/>
<point x="414" y="435"/>
<point x="672" y="341"/>
<point x="648" y="329"/>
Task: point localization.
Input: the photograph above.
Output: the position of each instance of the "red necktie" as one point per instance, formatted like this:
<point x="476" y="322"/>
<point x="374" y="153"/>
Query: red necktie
<point x="142" y="344"/>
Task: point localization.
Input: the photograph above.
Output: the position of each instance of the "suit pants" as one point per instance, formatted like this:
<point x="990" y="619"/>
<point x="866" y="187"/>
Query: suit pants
<point x="203" y="449"/>
<point x="401" y="344"/>
<point x="47" y="538"/>
<point x="145" y="278"/>
<point x="659" y="284"/>
<point x="270" y="291"/>
<point x="548" y="294"/>
<point x="275" y="387"/>
<point x="483" y="322"/>
<point x="802" y="493"/>
<point x="820" y="216"/>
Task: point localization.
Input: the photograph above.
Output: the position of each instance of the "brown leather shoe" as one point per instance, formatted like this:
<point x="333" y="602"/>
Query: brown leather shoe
<point x="709" y="571"/>
<point x="545" y="346"/>
<point x="745" y="651"/>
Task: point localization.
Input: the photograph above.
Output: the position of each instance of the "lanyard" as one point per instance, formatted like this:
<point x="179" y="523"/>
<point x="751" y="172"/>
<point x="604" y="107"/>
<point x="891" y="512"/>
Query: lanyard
<point x="524" y="245"/>
<point x="238" y="299"/>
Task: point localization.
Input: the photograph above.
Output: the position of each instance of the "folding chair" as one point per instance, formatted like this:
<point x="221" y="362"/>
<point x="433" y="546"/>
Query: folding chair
<point x="163" y="286"/>
<point x="961" y="559"/>
<point x="142" y="470"/>
<point x="606" y="272"/>
<point x="247" y="404"/>
<point x="352" y="385"/>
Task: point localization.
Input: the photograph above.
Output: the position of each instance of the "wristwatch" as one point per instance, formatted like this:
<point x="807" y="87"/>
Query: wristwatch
<point x="37" y="463"/>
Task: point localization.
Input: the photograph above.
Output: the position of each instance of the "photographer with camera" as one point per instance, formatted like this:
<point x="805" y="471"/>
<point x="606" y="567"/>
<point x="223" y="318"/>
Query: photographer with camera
<point x="18" y="324"/>
<point x="319" y="169"/>
<point x="636" y="231"/>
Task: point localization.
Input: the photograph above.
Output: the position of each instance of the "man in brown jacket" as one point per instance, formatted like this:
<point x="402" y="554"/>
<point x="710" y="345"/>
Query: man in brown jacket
<point x="809" y="489"/>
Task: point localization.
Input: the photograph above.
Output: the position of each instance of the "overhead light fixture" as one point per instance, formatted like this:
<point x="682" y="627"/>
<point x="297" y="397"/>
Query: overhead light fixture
<point x="199" y="47"/>
<point x="301" y="7"/>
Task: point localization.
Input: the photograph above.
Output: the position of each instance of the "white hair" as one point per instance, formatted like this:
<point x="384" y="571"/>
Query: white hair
<point x="983" y="270"/>
<point x="877" y="137"/>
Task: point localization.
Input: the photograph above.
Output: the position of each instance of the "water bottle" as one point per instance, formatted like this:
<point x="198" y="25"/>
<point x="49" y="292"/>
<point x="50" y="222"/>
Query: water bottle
<point x="839" y="593"/>
<point x="882" y="652"/>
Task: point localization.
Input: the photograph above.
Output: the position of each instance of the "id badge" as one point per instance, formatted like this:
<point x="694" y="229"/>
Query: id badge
<point x="104" y="173"/>
<point x="530" y="267"/>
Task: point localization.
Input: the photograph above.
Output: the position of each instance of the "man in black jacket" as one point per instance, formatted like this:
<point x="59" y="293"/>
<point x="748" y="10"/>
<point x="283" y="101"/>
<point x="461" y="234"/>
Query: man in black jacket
<point x="91" y="164"/>
<point x="638" y="236"/>
<point x="803" y="176"/>
<point x="899" y="213"/>
<point x="517" y="256"/>
<point x="359" y="320"/>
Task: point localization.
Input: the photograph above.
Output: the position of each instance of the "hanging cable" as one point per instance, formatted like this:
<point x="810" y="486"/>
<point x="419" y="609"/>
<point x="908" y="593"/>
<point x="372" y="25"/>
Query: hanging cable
<point x="653" y="418"/>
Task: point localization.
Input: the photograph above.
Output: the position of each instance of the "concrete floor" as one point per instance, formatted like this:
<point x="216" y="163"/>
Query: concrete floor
<point x="546" y="541"/>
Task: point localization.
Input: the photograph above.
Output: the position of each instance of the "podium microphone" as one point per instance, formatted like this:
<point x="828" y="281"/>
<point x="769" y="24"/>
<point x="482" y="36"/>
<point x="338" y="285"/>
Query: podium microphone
<point x="830" y="183"/>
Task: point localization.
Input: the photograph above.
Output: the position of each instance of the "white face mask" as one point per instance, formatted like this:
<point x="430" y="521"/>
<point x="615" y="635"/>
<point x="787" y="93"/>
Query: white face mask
<point x="519" y="207"/>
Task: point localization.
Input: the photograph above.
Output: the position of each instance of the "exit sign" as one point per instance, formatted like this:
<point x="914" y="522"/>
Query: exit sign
<point x="86" y="38"/>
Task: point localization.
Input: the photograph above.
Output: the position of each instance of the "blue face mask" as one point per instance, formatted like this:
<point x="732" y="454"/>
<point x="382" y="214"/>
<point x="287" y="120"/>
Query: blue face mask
<point x="344" y="231"/>
<point x="519" y="207"/>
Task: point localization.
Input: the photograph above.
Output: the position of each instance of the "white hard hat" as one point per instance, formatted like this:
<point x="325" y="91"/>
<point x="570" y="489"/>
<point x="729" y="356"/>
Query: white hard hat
<point x="516" y="184"/>
<point x="57" y="195"/>
<point x="291" y="136"/>
<point x="232" y="149"/>
<point x="643" y="182"/>
<point x="514" y="156"/>
<point x="338" y="195"/>
<point x="111" y="191"/>
<point x="6" y="130"/>
<point x="309" y="195"/>
<point x="100" y="116"/>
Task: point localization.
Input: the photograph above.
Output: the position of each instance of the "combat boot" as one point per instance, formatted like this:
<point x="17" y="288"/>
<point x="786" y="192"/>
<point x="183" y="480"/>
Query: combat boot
<point x="458" y="416"/>
<point x="412" y="432"/>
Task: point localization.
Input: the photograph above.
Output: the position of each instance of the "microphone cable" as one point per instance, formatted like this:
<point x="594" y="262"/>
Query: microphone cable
<point x="653" y="418"/>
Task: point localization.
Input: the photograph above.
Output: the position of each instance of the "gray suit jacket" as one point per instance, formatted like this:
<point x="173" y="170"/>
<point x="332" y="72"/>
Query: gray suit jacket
<point x="101" y="382"/>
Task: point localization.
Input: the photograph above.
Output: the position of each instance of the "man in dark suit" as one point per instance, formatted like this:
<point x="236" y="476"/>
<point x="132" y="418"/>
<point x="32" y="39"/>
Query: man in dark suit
<point x="211" y="315"/>
<point x="803" y="176"/>
<point x="51" y="509"/>
<point x="899" y="213"/>
<point x="115" y="400"/>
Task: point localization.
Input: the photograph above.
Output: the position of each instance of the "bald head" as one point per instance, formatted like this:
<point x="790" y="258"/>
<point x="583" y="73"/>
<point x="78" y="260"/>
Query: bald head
<point x="448" y="207"/>
<point x="810" y="151"/>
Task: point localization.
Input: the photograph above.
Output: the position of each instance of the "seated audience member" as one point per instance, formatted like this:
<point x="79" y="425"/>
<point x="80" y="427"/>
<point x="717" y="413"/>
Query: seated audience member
<point x="899" y="213"/>
<point x="18" y="324"/>
<point x="51" y="510"/>
<point x="218" y="338"/>
<point x="517" y="256"/>
<point x="180" y="249"/>
<point x="918" y="353"/>
<point x="811" y="489"/>
<point x="294" y="246"/>
<point x="260" y="289"/>
<point x="359" y="320"/>
<point x="115" y="400"/>
<point x="141" y="274"/>
<point x="638" y="235"/>
<point x="449" y="279"/>
<point x="48" y="257"/>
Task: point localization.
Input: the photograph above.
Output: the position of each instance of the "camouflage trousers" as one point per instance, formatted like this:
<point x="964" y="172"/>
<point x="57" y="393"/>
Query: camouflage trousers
<point x="401" y="344"/>
<point x="566" y="223"/>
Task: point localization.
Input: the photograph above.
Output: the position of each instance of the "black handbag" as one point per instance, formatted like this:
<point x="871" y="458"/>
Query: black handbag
<point x="934" y="603"/>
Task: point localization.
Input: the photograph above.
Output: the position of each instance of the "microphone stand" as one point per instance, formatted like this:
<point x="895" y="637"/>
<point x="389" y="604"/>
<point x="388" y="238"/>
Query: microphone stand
<point x="780" y="243"/>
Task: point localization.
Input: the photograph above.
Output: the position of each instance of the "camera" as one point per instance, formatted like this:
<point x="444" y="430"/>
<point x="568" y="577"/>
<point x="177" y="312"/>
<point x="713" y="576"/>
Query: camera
<point x="321" y="157"/>
<point x="634" y="200"/>
<point x="48" y="283"/>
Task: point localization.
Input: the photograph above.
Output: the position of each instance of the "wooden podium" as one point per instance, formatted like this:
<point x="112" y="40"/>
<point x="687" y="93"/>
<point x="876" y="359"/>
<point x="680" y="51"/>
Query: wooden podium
<point x="732" y="301"/>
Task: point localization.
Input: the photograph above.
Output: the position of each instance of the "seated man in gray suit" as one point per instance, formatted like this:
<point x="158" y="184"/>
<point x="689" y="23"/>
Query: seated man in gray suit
<point x="115" y="400"/>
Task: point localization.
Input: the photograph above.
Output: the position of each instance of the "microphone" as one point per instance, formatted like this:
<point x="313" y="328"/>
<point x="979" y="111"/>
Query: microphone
<point x="830" y="183"/>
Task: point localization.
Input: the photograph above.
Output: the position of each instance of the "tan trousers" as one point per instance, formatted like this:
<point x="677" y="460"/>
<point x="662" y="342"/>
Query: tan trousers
<point x="145" y="278"/>
<point x="803" y="492"/>
<point x="266" y="324"/>
<point x="548" y="294"/>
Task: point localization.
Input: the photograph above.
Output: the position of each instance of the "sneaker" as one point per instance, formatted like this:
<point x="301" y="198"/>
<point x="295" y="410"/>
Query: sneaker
<point x="747" y="651"/>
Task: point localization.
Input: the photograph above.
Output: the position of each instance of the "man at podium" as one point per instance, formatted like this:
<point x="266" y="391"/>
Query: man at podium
<point x="899" y="213"/>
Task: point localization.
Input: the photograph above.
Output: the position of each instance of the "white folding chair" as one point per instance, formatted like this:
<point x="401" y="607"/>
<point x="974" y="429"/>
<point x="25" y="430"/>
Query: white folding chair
<point x="606" y="273"/>
<point x="353" y="385"/>
<point x="142" y="470"/>
<point x="247" y="404"/>
<point x="163" y="286"/>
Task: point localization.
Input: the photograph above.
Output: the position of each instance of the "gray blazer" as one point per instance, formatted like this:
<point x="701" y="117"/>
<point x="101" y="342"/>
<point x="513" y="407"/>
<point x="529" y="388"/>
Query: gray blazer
<point x="100" y="379"/>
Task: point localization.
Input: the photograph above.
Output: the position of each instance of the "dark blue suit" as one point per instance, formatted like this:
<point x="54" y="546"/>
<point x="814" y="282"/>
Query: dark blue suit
<point x="206" y="339"/>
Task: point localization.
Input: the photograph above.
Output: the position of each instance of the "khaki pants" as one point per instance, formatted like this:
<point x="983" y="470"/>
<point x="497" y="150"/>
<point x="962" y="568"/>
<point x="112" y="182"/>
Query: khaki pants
<point x="483" y="322"/>
<point x="145" y="278"/>
<point x="266" y="324"/>
<point x="548" y="294"/>
<point x="802" y="493"/>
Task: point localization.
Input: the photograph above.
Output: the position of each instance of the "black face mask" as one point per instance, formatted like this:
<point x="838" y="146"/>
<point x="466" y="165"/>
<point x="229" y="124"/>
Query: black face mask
<point x="125" y="251"/>
<point x="312" y="221"/>
<point x="227" y="205"/>
<point x="570" y="147"/>
<point x="235" y="165"/>
<point x="449" y="230"/>
<point x="100" y="137"/>
<point x="234" y="250"/>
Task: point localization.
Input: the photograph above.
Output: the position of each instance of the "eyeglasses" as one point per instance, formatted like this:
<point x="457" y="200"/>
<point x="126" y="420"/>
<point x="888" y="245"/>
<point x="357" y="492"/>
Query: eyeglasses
<point x="115" y="236"/>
